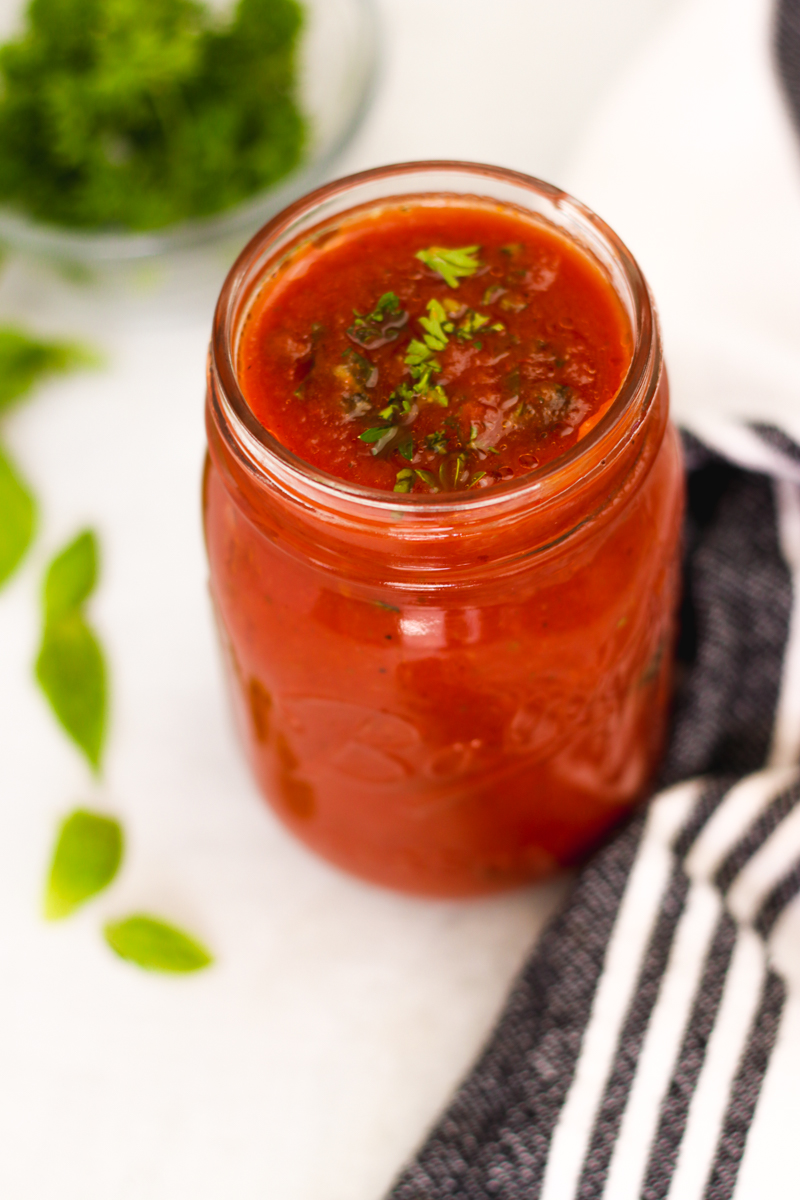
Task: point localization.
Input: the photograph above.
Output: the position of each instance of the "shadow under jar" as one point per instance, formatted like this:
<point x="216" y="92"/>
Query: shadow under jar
<point x="447" y="693"/>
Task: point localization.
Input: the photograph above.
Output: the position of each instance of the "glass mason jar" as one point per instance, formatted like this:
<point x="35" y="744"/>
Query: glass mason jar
<point x="448" y="694"/>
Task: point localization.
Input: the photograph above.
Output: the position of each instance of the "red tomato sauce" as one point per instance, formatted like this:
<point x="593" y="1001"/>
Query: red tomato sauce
<point x="456" y="697"/>
<point x="424" y="348"/>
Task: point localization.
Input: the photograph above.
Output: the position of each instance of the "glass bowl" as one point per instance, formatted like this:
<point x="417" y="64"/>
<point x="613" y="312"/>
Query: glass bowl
<point x="337" y="71"/>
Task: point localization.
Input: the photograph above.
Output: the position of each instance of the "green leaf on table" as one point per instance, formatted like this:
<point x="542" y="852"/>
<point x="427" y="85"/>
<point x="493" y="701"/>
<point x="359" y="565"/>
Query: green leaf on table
<point x="86" y="858"/>
<point x="70" y="667"/>
<point x="17" y="518"/>
<point x="24" y="360"/>
<point x="71" y="576"/>
<point x="72" y="674"/>
<point x="156" y="946"/>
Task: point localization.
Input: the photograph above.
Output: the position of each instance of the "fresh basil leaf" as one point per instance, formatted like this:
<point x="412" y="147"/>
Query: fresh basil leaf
<point x="24" y="360"/>
<point x="156" y="946"/>
<point x="86" y="858"/>
<point x="72" y="673"/>
<point x="17" y="518"/>
<point x="71" y="576"/>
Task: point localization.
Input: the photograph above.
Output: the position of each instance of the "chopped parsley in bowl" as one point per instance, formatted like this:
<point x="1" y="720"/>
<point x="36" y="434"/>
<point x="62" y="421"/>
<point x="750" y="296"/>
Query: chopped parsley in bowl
<point x="128" y="127"/>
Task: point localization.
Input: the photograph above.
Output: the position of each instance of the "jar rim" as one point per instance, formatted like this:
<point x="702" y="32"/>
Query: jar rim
<point x="264" y="450"/>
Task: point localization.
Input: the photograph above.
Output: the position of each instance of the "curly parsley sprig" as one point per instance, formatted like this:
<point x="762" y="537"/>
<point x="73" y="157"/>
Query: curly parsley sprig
<point x="133" y="115"/>
<point x="440" y="322"/>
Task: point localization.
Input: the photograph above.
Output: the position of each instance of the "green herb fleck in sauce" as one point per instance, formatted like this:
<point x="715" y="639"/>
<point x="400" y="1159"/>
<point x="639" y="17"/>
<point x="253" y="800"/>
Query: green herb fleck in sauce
<point x="452" y="265"/>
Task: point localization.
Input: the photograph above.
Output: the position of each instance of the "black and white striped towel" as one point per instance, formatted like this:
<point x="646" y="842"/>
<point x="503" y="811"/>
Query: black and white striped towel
<point x="633" y="1052"/>
<point x="651" y="1047"/>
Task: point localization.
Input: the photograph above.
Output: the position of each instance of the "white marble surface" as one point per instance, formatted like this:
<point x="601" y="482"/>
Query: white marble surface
<point x="308" y="1063"/>
<point x="692" y="158"/>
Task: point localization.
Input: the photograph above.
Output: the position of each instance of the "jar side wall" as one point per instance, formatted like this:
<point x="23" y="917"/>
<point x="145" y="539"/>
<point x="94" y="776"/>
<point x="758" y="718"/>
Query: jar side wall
<point x="446" y="742"/>
<point x="457" y="696"/>
<point x="428" y="546"/>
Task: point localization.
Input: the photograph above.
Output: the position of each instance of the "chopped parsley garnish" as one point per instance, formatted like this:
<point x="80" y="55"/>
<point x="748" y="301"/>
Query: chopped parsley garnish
<point x="381" y="326"/>
<point x="422" y="365"/>
<point x="436" y="326"/>
<point x="452" y="470"/>
<point x="359" y="369"/>
<point x="448" y="356"/>
<point x="470" y="325"/>
<point x="375" y="434"/>
<point x="442" y="322"/>
<point x="418" y="353"/>
<point x="419" y="356"/>
<point x="428" y="478"/>
<point x="379" y="436"/>
<point x="437" y="442"/>
<point x="391" y="410"/>
<point x="386" y="307"/>
<point x="452" y="265"/>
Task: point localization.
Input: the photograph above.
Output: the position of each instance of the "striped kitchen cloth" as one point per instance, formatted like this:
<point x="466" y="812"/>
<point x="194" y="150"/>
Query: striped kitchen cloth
<point x="633" y="1052"/>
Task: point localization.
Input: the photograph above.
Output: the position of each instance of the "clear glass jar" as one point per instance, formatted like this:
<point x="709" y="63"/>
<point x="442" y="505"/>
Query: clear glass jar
<point x="448" y="694"/>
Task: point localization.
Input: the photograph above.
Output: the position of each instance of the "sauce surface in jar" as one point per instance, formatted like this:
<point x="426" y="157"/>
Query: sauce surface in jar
<point x="445" y="584"/>
<point x="430" y="348"/>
